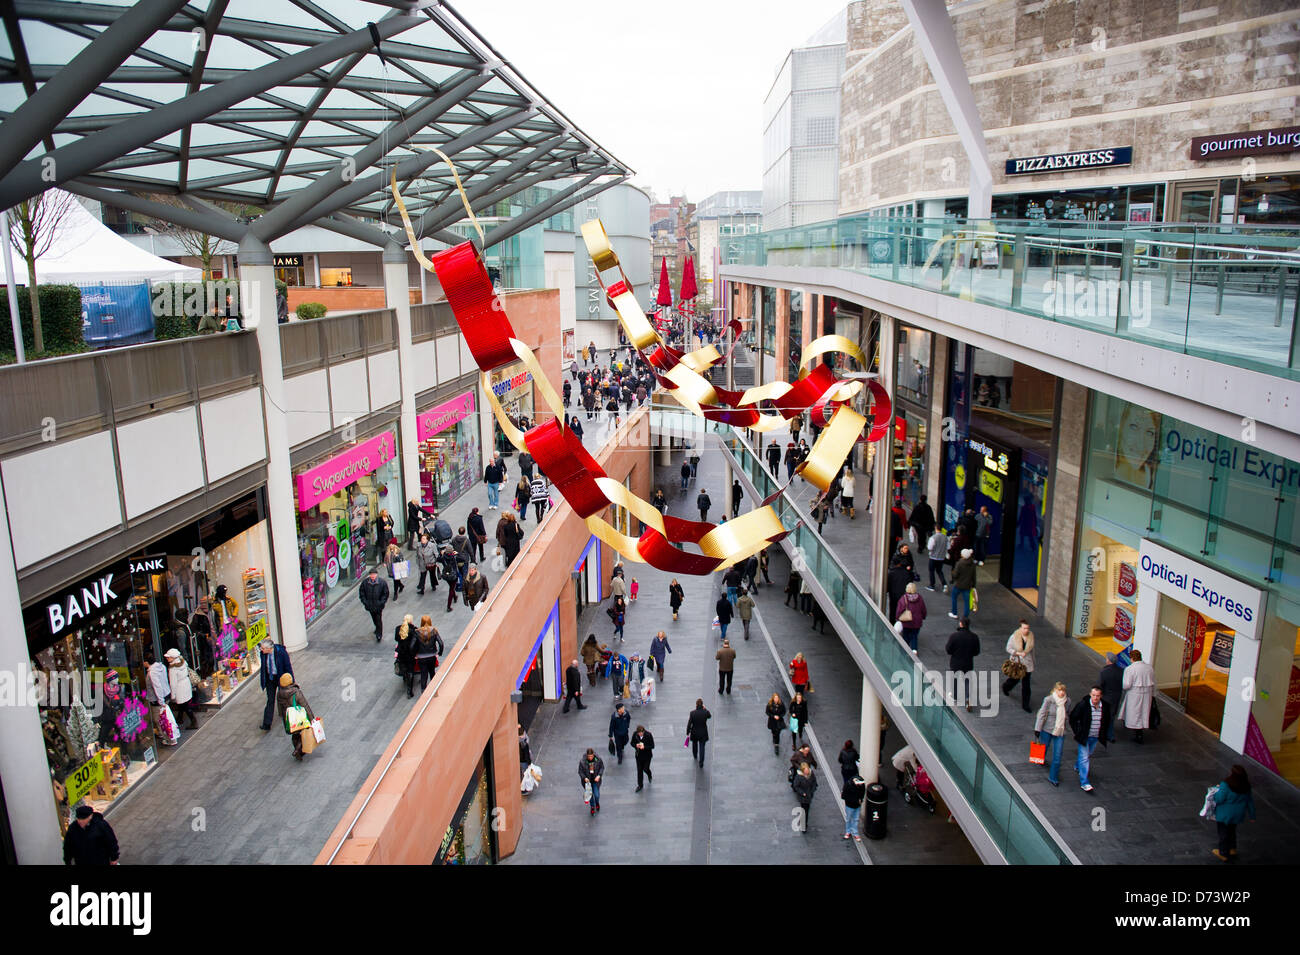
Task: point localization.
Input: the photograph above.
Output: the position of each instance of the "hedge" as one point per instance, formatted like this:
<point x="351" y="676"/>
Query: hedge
<point x="60" y="321"/>
<point x="311" y="310"/>
<point x="178" y="306"/>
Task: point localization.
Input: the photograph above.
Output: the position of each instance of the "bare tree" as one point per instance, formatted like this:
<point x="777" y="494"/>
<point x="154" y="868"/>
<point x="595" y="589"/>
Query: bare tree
<point x="33" y="226"/>
<point x="200" y="245"/>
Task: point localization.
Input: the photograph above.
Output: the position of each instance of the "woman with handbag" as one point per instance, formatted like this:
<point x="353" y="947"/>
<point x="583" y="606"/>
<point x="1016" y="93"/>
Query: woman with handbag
<point x="798" y="718"/>
<point x="393" y="555"/>
<point x="477" y="533"/>
<point x="1051" y="726"/>
<point x="182" y="689"/>
<point x="405" y="659"/>
<point x="799" y="673"/>
<point x="675" y="596"/>
<point x="775" y="721"/>
<point x="428" y="644"/>
<point x="296" y="712"/>
<point x="1020" y="663"/>
<point x="909" y="613"/>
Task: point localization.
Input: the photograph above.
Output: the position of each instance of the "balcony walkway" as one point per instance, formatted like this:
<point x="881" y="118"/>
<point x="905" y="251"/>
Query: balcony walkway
<point x="1150" y="793"/>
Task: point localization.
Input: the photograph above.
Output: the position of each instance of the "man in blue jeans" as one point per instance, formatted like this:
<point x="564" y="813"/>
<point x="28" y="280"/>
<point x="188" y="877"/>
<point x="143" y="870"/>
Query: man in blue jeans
<point x="591" y="768"/>
<point x="963" y="582"/>
<point x="724" y="612"/>
<point x="1090" y="723"/>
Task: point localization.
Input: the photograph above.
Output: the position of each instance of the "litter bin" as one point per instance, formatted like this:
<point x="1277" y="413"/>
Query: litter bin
<point x="873" y="821"/>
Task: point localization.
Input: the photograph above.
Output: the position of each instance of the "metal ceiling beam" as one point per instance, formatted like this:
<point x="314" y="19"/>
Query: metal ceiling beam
<point x="451" y="209"/>
<point x="22" y="66"/>
<point x="396" y="133"/>
<point x="216" y="11"/>
<point x="210" y="223"/>
<point x="94" y="14"/>
<point x="336" y="196"/>
<point x="361" y="231"/>
<point x="83" y="156"/>
<point x="537" y="213"/>
<point x="32" y="122"/>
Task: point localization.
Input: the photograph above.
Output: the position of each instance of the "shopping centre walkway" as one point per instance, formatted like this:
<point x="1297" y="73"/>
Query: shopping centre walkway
<point x="738" y="808"/>
<point x="1146" y="799"/>
<point x="233" y="794"/>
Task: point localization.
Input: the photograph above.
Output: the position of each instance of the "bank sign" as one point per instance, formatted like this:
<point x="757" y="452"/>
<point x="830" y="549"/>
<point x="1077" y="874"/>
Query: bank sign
<point x="1064" y="162"/>
<point x="1203" y="589"/>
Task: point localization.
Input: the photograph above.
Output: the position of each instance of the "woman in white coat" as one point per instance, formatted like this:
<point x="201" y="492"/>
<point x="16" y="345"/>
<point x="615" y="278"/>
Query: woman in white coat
<point x="1139" y="691"/>
<point x="1020" y="649"/>
<point x="178" y="677"/>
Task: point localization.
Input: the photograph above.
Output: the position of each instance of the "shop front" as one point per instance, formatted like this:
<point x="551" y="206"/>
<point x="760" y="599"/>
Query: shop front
<point x="202" y="590"/>
<point x="340" y="502"/>
<point x="1188" y="551"/>
<point x="1003" y="415"/>
<point x="470" y="839"/>
<point x="449" y="450"/>
<point x="586" y="576"/>
<point x="513" y="388"/>
<point x="542" y="676"/>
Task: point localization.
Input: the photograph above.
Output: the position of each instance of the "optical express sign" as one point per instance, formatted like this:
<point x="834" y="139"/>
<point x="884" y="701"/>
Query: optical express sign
<point x="1215" y="595"/>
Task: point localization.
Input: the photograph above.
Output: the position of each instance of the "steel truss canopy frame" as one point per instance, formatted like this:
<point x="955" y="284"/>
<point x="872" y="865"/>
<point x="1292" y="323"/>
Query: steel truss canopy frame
<point x="301" y="108"/>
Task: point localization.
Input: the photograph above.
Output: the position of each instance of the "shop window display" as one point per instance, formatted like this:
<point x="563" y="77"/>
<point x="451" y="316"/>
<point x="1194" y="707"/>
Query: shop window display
<point x="449" y="451"/>
<point x="341" y="523"/>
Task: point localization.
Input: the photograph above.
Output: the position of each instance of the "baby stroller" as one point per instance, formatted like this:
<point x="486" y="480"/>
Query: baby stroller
<point x="916" y="787"/>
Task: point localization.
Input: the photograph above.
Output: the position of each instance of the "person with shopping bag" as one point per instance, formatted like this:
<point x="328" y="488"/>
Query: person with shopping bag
<point x="1050" y="726"/>
<point x="798" y="718"/>
<point x="1019" y="666"/>
<point x="296" y="712"/>
<point x="591" y="769"/>
<point x="275" y="662"/>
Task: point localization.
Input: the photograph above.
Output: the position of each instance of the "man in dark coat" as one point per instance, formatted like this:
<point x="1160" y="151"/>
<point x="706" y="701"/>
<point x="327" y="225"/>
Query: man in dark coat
<point x="963" y="647"/>
<point x="703" y="502"/>
<point x="275" y="660"/>
<point x="643" y="747"/>
<point x="697" y="730"/>
<point x="1090" y="723"/>
<point x="896" y="584"/>
<point x="773" y="457"/>
<point x="374" y="594"/>
<point x="724" y="612"/>
<point x="573" y="686"/>
<point x="620" y="723"/>
<point x="1111" y="680"/>
<point x="923" y="520"/>
<point x="90" y="840"/>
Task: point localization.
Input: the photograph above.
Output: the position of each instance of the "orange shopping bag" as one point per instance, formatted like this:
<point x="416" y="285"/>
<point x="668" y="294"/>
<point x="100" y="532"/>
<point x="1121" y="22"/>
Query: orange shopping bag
<point x="1038" y="753"/>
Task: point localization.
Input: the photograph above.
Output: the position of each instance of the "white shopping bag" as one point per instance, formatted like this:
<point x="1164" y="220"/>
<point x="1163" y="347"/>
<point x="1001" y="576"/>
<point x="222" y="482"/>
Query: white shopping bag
<point x="648" y="690"/>
<point x="586" y="791"/>
<point x="318" y="730"/>
<point x="716" y="624"/>
<point x="401" y="569"/>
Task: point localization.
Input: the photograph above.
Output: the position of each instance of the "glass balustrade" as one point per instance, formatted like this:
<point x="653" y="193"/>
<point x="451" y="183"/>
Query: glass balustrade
<point x="1230" y="293"/>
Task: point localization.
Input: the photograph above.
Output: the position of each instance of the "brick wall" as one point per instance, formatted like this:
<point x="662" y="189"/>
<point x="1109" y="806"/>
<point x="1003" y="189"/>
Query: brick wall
<point x="1062" y="75"/>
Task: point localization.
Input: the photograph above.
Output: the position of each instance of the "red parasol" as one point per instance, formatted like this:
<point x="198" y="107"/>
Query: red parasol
<point x="665" y="296"/>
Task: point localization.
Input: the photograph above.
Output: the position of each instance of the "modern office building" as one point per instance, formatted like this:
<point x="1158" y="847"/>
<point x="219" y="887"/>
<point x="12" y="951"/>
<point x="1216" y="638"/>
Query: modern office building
<point x="801" y="131"/>
<point x="720" y="220"/>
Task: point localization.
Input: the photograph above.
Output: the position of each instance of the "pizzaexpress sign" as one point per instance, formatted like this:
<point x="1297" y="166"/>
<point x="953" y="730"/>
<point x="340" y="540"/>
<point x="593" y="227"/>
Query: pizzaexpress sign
<point x="1083" y="159"/>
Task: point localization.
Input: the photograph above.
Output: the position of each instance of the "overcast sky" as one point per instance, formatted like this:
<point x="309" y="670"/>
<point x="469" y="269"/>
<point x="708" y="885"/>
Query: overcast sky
<point x="674" y="89"/>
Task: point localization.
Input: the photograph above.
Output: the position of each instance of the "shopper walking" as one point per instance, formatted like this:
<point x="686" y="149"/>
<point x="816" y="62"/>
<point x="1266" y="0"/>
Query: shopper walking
<point x="291" y="695"/>
<point x="848" y="760"/>
<point x="963" y="647"/>
<point x="799" y="673"/>
<point x="726" y="658"/>
<point x="643" y="748"/>
<point x="426" y="648"/>
<point x="983" y="529"/>
<point x="182" y="687"/>
<point x="1050" y="725"/>
<point x="414" y="511"/>
<point x="910" y="613"/>
<point x="854" y="794"/>
<point x="773" y="458"/>
<point x="619" y="724"/>
<point x="404" y="638"/>
<point x="804" y="785"/>
<point x="476" y="587"/>
<point x="539" y="495"/>
<point x="723" y="609"/>
<point x="732" y="579"/>
<point x="737" y="495"/>
<point x="686" y="475"/>
<point x="374" y="595"/>
<point x="1139" y="693"/>
<point x="1090" y="723"/>
<point x="394" y="560"/>
<point x="494" y="475"/>
<point x="477" y="534"/>
<point x="848" y="487"/>
<point x="509" y="535"/>
<point x="658" y="649"/>
<point x="775" y="711"/>
<point x="745" y="607"/>
<point x="573" y="686"/>
<point x="675" y="597"/>
<point x="591" y="770"/>
<point x="798" y="718"/>
<point x="590" y="654"/>
<point x="963" y="582"/>
<point x="1111" y="681"/>
<point x="697" y="730"/>
<point x="275" y="661"/>
<point x="936" y="549"/>
<point x="922" y="518"/>
<point x="616" y="673"/>
<point x="426" y="563"/>
<point x="1233" y="802"/>
<point x="703" y="503"/>
<point x="1020" y="650"/>
<point x="90" y="840"/>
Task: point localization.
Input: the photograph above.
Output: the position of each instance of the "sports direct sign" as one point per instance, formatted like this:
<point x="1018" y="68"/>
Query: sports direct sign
<point x="1215" y="595"/>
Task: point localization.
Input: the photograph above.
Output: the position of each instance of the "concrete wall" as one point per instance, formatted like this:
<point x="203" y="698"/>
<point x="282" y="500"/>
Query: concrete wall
<point x="1071" y="439"/>
<point x="1062" y="75"/>
<point x="409" y="813"/>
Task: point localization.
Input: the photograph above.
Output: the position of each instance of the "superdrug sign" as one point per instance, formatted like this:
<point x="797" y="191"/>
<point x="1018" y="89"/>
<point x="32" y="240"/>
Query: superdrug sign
<point x="1058" y="162"/>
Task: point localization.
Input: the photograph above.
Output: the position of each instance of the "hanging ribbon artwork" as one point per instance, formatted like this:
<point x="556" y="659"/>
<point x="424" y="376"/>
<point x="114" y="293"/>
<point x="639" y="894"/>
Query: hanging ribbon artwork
<point x="574" y="472"/>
